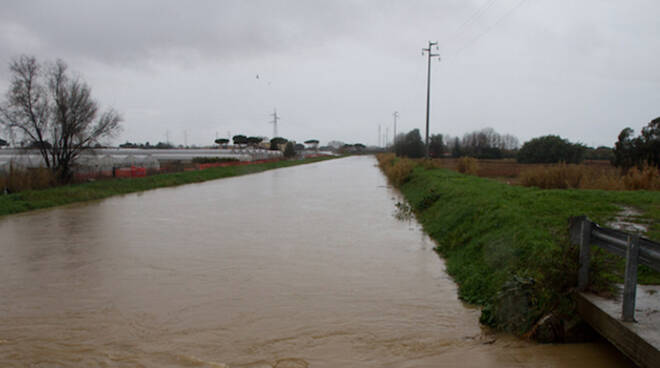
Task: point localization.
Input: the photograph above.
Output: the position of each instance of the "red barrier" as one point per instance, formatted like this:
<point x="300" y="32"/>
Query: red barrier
<point x="123" y="172"/>
<point x="138" y="172"/>
<point x="130" y="172"/>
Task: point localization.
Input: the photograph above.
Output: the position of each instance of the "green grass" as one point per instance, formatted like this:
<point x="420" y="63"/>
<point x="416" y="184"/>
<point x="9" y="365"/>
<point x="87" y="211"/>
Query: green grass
<point x="36" y="199"/>
<point x="490" y="233"/>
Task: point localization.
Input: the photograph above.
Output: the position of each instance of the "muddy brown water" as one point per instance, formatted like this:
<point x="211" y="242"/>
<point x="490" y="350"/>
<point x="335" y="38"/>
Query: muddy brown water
<point x="296" y="267"/>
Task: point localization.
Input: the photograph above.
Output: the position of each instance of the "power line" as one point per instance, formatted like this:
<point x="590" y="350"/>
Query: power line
<point x="471" y="19"/>
<point x="490" y="28"/>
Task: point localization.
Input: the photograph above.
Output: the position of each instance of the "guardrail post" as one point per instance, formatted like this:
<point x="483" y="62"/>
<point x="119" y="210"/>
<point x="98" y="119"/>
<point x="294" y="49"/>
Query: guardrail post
<point x="585" y="253"/>
<point x="630" y="281"/>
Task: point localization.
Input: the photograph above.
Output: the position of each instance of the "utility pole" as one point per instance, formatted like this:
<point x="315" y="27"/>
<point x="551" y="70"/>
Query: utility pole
<point x="275" y="119"/>
<point x="396" y="116"/>
<point x="428" y="88"/>
<point x="380" y="137"/>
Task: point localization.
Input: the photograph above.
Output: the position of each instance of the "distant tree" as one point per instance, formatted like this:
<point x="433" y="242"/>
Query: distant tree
<point x="254" y="141"/>
<point x="551" y="149"/>
<point x="299" y="147"/>
<point x="486" y="143"/>
<point x="55" y="113"/>
<point x="222" y="142"/>
<point x="289" y="150"/>
<point x="312" y="143"/>
<point x="456" y="150"/>
<point x="276" y="142"/>
<point x="3" y="142"/>
<point x="651" y="142"/>
<point x="240" y="140"/>
<point x="638" y="151"/>
<point x="436" y="146"/>
<point x="410" y="145"/>
<point x="336" y="144"/>
<point x="164" y="145"/>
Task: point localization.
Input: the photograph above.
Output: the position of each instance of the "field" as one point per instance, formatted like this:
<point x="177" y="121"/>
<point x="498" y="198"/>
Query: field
<point x="588" y="175"/>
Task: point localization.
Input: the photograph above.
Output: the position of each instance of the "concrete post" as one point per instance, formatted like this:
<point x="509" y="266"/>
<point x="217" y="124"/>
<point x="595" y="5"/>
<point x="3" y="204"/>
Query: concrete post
<point x="585" y="254"/>
<point x="630" y="281"/>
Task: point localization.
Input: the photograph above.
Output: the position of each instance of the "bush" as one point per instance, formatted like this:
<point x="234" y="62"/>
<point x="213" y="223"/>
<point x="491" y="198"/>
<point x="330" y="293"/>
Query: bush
<point x="397" y="170"/>
<point x="551" y="149"/>
<point x="468" y="165"/>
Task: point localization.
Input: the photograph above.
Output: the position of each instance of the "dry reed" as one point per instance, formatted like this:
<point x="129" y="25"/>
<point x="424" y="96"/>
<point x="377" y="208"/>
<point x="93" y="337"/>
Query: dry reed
<point x="19" y="179"/>
<point x="468" y="165"/>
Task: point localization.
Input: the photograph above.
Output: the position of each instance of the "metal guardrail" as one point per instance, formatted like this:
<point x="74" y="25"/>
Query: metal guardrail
<point x="635" y="249"/>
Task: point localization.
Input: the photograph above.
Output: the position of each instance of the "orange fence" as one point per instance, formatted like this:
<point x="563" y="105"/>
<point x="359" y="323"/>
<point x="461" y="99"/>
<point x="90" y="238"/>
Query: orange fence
<point x="130" y="172"/>
<point x="231" y="163"/>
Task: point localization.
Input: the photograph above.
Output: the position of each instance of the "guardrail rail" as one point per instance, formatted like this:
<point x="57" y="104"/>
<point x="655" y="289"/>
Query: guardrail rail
<point x="634" y="248"/>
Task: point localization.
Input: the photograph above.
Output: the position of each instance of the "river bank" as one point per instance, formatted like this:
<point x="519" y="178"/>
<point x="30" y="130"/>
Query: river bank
<point x="37" y="199"/>
<point x="507" y="247"/>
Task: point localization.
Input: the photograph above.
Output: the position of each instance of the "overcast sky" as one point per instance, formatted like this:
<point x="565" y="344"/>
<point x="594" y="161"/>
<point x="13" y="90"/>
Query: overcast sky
<point x="335" y="70"/>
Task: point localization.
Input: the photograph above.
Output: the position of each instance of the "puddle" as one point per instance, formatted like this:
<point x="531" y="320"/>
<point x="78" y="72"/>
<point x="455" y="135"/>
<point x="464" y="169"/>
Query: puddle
<point x="629" y="220"/>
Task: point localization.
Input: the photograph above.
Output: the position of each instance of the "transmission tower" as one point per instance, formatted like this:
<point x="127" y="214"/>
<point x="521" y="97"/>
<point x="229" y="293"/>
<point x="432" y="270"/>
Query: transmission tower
<point x="274" y="122"/>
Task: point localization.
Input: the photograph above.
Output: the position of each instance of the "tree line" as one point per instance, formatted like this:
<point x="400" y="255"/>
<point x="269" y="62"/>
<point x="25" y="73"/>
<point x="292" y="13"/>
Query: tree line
<point x="628" y="151"/>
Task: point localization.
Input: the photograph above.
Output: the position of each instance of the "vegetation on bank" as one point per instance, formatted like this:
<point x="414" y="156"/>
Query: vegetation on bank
<point x="57" y="196"/>
<point x="507" y="246"/>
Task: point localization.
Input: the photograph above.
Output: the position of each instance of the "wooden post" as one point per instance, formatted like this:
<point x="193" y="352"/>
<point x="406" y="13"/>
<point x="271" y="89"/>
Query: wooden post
<point x="585" y="253"/>
<point x="630" y="281"/>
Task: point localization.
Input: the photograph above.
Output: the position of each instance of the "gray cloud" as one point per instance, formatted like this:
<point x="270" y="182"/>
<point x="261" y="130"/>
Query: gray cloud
<point x="338" y="69"/>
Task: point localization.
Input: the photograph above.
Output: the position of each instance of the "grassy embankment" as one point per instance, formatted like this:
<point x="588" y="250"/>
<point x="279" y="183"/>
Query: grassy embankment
<point x="36" y="199"/>
<point x="495" y="236"/>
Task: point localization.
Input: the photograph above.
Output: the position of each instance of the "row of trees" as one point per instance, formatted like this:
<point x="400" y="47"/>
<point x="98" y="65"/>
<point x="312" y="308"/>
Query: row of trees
<point x="147" y="145"/>
<point x="485" y="143"/>
<point x="488" y="144"/>
<point x="275" y="143"/>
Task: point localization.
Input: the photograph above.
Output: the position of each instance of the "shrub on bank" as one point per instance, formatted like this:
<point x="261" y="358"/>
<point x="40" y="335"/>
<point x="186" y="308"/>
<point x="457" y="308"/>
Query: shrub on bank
<point x="397" y="170"/>
<point x="468" y="165"/>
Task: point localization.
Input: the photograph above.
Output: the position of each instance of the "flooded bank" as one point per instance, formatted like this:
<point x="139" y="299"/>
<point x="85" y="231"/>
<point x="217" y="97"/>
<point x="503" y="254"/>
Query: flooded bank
<point x="296" y="267"/>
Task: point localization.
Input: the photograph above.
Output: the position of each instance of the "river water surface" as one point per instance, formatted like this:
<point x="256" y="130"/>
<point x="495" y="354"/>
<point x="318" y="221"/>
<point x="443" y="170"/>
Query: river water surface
<point x="296" y="267"/>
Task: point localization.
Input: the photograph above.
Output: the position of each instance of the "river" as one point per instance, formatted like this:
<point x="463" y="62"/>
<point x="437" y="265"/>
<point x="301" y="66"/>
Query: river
<point x="295" y="267"/>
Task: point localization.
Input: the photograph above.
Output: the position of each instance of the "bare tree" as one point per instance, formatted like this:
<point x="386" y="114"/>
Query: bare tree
<point x="54" y="113"/>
